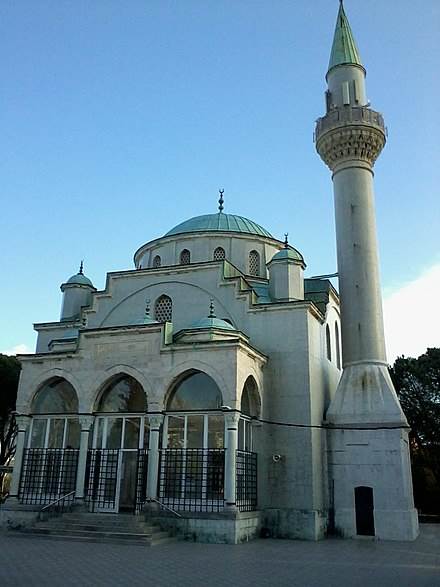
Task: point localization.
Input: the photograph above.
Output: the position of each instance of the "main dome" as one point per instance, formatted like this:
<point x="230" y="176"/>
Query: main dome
<point x="219" y="222"/>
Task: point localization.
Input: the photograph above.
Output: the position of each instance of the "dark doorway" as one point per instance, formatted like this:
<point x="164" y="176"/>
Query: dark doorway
<point x="363" y="498"/>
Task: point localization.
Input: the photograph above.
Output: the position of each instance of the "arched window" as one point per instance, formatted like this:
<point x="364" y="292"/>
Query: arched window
<point x="250" y="407"/>
<point x="338" y="346"/>
<point x="185" y="257"/>
<point x="254" y="263"/>
<point x="157" y="261"/>
<point x="163" y="309"/>
<point x="59" y="427"/>
<point x="55" y="397"/>
<point x="196" y="392"/>
<point x="328" y="343"/>
<point x="219" y="254"/>
<point x="123" y="394"/>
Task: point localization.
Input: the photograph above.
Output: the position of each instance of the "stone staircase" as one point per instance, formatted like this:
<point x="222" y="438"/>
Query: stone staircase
<point x="104" y="528"/>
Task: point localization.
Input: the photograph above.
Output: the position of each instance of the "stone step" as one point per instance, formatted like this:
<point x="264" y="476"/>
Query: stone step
<point x="87" y="533"/>
<point x="98" y="523"/>
<point x="95" y="539"/>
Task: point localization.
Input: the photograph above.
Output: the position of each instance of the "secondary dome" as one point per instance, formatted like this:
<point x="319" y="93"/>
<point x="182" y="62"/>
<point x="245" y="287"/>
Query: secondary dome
<point x="219" y="222"/>
<point x="80" y="278"/>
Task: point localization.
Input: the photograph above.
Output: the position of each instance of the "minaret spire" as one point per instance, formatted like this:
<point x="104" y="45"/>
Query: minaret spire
<point x="344" y="49"/>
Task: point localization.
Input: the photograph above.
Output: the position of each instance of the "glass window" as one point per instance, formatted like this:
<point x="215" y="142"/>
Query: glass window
<point x="123" y="394"/>
<point x="328" y="343"/>
<point x="131" y="433"/>
<point x="56" y="433"/>
<point x="196" y="392"/>
<point x="73" y="434"/>
<point x="157" y="261"/>
<point x="250" y="399"/>
<point x="163" y="309"/>
<point x="38" y="433"/>
<point x="194" y="432"/>
<point x="254" y="263"/>
<point x="216" y="431"/>
<point x="55" y="397"/>
<point x="114" y="432"/>
<point x="338" y="346"/>
<point x="176" y="431"/>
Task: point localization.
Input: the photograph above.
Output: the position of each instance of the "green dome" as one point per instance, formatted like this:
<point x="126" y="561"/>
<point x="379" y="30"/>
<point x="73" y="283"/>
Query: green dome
<point x="80" y="279"/>
<point x="288" y="254"/>
<point x="212" y="322"/>
<point x="219" y="222"/>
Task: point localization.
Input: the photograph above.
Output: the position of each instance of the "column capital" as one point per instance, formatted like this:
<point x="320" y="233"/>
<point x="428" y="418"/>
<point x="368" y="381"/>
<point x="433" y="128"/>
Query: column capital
<point x="86" y="421"/>
<point x="156" y="420"/>
<point x="232" y="419"/>
<point x="22" y="421"/>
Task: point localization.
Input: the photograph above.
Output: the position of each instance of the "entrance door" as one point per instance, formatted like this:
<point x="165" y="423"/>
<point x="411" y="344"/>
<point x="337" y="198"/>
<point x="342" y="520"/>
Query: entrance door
<point x="114" y="464"/>
<point x="363" y="497"/>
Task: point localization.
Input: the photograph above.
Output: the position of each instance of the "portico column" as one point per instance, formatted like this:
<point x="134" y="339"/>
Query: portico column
<point x="86" y="424"/>
<point x="153" y="455"/>
<point x="232" y="419"/>
<point x="22" y="424"/>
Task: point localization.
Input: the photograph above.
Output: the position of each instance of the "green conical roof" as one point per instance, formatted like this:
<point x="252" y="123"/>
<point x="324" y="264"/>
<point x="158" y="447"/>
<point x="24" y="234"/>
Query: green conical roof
<point x="344" y="49"/>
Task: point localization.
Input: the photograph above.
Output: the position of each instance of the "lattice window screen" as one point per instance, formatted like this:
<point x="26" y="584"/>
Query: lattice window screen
<point x="157" y="261"/>
<point x="219" y="254"/>
<point x="163" y="309"/>
<point x="254" y="263"/>
<point x="185" y="257"/>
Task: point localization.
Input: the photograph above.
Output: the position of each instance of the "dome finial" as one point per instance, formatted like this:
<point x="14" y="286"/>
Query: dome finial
<point x="81" y="267"/>
<point x="211" y="309"/>
<point x="286" y="240"/>
<point x="221" y="200"/>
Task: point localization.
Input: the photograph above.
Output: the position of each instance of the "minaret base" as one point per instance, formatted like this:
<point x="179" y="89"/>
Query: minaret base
<point x="369" y="466"/>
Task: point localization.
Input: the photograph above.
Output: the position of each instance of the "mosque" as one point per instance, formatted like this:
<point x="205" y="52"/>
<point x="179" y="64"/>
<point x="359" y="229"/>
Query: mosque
<point x="216" y="382"/>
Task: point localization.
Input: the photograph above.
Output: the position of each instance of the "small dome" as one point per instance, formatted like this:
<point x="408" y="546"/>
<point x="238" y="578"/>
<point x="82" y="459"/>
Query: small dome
<point x="212" y="322"/>
<point x="80" y="279"/>
<point x="288" y="253"/>
<point x="219" y="222"/>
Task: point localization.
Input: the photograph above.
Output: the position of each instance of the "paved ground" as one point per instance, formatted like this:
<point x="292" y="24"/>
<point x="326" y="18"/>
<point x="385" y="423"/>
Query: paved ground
<point x="330" y="563"/>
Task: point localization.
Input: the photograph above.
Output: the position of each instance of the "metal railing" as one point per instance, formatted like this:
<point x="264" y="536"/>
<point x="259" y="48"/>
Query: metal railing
<point x="246" y="481"/>
<point x="163" y="506"/>
<point x="192" y="479"/>
<point x="47" y="474"/>
<point x="58" y="506"/>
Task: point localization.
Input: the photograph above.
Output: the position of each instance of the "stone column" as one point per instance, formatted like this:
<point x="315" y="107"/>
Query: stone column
<point x="86" y="422"/>
<point x="153" y="455"/>
<point x="232" y="419"/>
<point x="22" y="424"/>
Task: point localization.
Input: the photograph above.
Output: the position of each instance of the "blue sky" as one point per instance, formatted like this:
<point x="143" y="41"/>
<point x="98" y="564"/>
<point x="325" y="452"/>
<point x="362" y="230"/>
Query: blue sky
<point x="122" y="118"/>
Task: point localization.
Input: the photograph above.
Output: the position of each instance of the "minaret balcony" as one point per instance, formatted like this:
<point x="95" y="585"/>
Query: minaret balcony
<point x="350" y="133"/>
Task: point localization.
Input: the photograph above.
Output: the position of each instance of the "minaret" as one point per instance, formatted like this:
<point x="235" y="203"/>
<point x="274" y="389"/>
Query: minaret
<point x="369" y="468"/>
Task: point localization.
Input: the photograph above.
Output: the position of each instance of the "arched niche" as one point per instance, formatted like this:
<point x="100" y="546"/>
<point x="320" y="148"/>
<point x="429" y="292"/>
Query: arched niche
<point x="194" y="391"/>
<point x="250" y="399"/>
<point x="123" y="393"/>
<point x="56" y="396"/>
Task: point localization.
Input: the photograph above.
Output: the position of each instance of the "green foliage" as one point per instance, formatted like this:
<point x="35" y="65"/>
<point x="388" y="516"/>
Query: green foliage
<point x="417" y="382"/>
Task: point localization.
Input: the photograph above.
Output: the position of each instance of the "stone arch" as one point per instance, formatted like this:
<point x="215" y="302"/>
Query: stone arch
<point x="186" y="367"/>
<point x="46" y="376"/>
<point x="111" y="374"/>
<point x="251" y="396"/>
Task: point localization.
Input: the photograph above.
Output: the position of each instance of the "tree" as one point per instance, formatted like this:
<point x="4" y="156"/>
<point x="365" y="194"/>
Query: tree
<point x="417" y="383"/>
<point x="9" y="374"/>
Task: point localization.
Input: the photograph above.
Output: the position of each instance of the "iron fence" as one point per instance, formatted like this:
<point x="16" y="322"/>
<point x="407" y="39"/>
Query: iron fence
<point x="246" y="481"/>
<point x="102" y="478"/>
<point x="192" y="479"/>
<point x="141" y="480"/>
<point x="47" y="474"/>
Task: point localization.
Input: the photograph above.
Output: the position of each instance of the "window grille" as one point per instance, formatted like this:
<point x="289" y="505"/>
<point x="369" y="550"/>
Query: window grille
<point x="185" y="257"/>
<point x="246" y="481"/>
<point x="219" y="254"/>
<point x="254" y="263"/>
<point x="47" y="474"/>
<point x="157" y="261"/>
<point x="163" y="310"/>
<point x="192" y="479"/>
